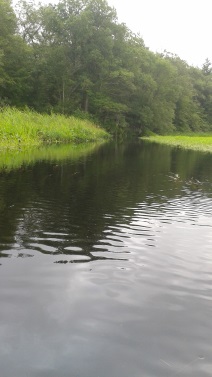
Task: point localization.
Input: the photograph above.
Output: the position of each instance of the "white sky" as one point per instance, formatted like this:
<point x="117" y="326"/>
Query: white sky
<point x="183" y="27"/>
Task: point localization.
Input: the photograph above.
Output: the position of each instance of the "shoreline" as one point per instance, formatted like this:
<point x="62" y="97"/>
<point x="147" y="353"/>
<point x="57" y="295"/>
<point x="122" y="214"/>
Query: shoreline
<point x="27" y="129"/>
<point x="196" y="142"/>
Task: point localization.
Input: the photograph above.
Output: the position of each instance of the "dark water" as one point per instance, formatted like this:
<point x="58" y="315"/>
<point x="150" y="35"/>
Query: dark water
<point x="106" y="265"/>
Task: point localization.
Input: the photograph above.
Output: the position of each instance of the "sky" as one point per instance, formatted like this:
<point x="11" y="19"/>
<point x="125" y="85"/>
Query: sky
<point x="183" y="27"/>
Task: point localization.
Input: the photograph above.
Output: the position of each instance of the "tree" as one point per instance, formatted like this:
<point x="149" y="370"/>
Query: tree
<point x="207" y="68"/>
<point x="74" y="57"/>
<point x="15" y="59"/>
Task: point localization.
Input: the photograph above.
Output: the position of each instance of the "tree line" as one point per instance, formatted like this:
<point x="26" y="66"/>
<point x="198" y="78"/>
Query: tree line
<point x="74" y="57"/>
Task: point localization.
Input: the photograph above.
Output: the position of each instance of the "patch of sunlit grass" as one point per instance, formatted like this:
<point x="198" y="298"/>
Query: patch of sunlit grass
<point x="27" y="128"/>
<point x="199" y="142"/>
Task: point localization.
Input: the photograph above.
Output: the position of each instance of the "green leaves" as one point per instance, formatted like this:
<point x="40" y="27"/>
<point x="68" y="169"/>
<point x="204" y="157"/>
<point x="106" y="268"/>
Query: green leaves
<point x="7" y="20"/>
<point x="74" y="56"/>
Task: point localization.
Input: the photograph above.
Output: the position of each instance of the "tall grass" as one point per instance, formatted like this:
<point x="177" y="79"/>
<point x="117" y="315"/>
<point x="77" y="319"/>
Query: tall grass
<point x="201" y="142"/>
<point x="27" y="128"/>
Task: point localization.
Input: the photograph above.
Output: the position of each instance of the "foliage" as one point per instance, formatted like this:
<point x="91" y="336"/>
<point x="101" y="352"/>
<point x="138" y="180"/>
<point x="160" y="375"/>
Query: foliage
<point x="74" y="57"/>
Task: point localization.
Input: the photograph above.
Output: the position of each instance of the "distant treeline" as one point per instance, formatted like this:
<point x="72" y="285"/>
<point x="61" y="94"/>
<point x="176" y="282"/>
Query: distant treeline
<point x="75" y="58"/>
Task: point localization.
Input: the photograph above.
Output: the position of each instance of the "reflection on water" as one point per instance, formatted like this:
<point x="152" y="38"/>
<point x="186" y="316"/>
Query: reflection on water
<point x="106" y="265"/>
<point x="10" y="160"/>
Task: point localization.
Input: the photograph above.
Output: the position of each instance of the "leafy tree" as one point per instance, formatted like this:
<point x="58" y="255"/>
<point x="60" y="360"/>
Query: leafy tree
<point x="74" y="57"/>
<point x="15" y="59"/>
<point x="207" y="68"/>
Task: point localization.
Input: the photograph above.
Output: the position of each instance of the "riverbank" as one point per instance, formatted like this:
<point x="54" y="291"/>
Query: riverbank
<point x="194" y="142"/>
<point x="22" y="129"/>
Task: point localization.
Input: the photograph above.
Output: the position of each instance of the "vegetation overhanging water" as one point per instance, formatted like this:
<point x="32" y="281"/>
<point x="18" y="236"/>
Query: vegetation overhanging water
<point x="105" y="257"/>
<point x="75" y="58"/>
<point x="27" y="129"/>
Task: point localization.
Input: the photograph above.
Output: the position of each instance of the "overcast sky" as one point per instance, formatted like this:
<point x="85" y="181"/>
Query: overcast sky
<point x="183" y="27"/>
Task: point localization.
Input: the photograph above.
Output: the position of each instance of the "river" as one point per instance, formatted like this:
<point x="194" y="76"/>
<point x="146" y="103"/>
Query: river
<point x="106" y="263"/>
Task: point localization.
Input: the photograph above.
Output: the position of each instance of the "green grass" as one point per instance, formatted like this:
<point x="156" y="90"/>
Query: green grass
<point x="194" y="142"/>
<point x="22" y="129"/>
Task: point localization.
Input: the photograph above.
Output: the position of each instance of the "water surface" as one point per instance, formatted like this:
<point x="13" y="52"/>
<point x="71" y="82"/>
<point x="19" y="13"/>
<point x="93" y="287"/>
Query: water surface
<point x="106" y="264"/>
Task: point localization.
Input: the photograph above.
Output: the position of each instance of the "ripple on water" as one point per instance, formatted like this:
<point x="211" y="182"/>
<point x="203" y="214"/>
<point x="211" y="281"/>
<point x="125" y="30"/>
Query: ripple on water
<point x="131" y="285"/>
<point x="161" y="226"/>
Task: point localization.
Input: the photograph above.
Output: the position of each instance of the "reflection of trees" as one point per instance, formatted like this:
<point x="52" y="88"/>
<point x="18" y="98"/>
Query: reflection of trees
<point x="48" y="207"/>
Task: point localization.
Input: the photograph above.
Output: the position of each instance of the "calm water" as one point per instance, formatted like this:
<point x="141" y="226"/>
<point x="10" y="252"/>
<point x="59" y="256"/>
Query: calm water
<point x="106" y="265"/>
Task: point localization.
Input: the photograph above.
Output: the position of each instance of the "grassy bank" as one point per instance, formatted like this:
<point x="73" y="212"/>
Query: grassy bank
<point x="19" y="129"/>
<point x="194" y="142"/>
